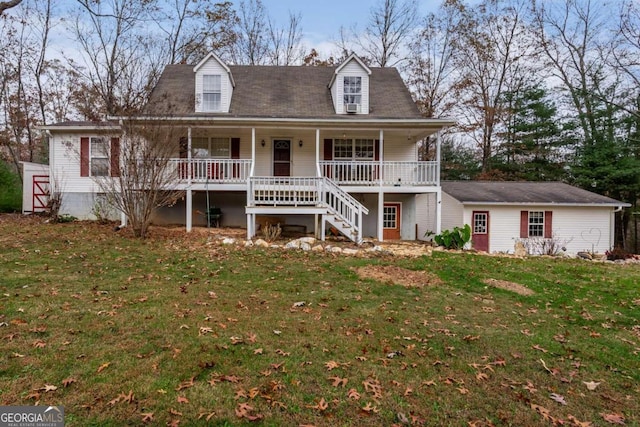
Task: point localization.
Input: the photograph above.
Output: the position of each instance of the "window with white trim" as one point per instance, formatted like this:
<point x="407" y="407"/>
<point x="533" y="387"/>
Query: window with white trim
<point x="211" y="147"/>
<point x="353" y="149"/>
<point x="211" y="92"/>
<point x="536" y="224"/>
<point x="99" y="156"/>
<point x="352" y="90"/>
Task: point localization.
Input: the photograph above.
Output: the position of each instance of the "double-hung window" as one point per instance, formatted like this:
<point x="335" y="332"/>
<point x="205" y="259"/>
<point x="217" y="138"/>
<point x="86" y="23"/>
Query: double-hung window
<point x="211" y="92"/>
<point x="536" y="224"/>
<point x="210" y="148"/>
<point x="353" y="149"/>
<point x="99" y="156"/>
<point x="352" y="90"/>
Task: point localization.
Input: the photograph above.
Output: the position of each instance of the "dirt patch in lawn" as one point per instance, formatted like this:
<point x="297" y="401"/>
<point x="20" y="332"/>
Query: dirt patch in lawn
<point x="398" y="276"/>
<point x="509" y="286"/>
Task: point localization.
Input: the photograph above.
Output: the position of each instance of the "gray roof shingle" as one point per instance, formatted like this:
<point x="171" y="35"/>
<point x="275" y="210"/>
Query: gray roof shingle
<point x="282" y="92"/>
<point x="524" y="193"/>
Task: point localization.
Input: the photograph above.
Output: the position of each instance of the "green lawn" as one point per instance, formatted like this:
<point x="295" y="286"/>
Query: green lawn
<point x="180" y="329"/>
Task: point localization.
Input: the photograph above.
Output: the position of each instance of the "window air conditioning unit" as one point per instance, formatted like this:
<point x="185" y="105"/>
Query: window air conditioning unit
<point x="352" y="108"/>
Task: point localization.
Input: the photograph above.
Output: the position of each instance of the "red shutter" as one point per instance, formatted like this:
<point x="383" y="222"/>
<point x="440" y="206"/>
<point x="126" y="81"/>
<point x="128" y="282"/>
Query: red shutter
<point x="524" y="224"/>
<point x="235" y="154"/>
<point x="328" y="149"/>
<point x="376" y="149"/>
<point x="235" y="148"/>
<point x="84" y="156"/>
<point x="115" y="156"/>
<point x="548" y="226"/>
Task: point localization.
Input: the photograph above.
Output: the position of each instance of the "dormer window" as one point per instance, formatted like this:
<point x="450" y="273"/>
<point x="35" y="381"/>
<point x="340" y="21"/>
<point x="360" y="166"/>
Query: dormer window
<point x="211" y="92"/>
<point x="352" y="90"/>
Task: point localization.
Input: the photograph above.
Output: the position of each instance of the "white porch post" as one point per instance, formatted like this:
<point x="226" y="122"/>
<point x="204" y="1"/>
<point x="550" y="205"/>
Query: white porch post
<point x="251" y="218"/>
<point x="319" y="219"/>
<point x="381" y="191"/>
<point x="318" y="171"/>
<point x="189" y="200"/>
<point x="439" y="193"/>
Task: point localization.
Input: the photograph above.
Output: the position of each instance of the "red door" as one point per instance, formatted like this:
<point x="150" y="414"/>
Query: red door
<point x="281" y="157"/>
<point x="391" y="221"/>
<point x="480" y="235"/>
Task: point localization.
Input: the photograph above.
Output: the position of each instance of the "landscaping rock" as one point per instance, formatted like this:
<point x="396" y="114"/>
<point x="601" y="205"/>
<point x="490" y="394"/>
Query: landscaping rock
<point x="317" y="248"/>
<point x="334" y="249"/>
<point x="228" y="241"/>
<point x="305" y="246"/>
<point x="519" y="250"/>
<point x="261" y="243"/>
<point x="349" y="251"/>
<point x="309" y="240"/>
<point x="248" y="244"/>
<point x="294" y="244"/>
<point x="584" y="255"/>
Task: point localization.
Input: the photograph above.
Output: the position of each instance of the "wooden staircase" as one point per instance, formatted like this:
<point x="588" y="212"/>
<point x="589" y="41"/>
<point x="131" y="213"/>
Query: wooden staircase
<point x="312" y="195"/>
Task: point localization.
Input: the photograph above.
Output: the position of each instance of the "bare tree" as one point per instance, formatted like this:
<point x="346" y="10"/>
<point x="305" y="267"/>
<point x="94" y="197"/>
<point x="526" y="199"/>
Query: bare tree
<point x="286" y="43"/>
<point x="121" y="65"/>
<point x="493" y="55"/>
<point x="142" y="177"/>
<point x="391" y="24"/>
<point x="252" y="46"/>
<point x="8" y="5"/>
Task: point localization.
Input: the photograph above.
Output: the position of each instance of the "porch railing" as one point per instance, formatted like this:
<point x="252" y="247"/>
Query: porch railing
<point x="344" y="211"/>
<point x="368" y="172"/>
<point x="225" y="171"/>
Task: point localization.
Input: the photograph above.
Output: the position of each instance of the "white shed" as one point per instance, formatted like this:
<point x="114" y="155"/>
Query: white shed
<point x="35" y="187"/>
<point x="534" y="213"/>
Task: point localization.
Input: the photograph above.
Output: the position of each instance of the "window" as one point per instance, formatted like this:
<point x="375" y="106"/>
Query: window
<point x="390" y="216"/>
<point x="536" y="224"/>
<point x="210" y="148"/>
<point x="352" y="90"/>
<point x="480" y="223"/>
<point x="353" y="149"/>
<point x="99" y="157"/>
<point x="211" y="92"/>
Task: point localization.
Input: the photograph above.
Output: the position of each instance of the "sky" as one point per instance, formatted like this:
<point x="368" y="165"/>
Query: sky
<point x="322" y="19"/>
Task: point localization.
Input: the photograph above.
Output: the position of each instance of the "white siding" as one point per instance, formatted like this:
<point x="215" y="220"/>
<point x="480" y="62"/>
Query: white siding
<point x="399" y="150"/>
<point x="29" y="170"/>
<point x="576" y="228"/>
<point x="65" y="173"/>
<point x="425" y="214"/>
<point x="213" y="67"/>
<point x="352" y="68"/>
<point x="452" y="213"/>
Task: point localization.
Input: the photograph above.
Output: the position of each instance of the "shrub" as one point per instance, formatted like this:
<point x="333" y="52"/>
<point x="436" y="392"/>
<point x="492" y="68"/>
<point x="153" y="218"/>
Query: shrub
<point x="618" y="253"/>
<point x="545" y="245"/>
<point x="454" y="239"/>
<point x="10" y="190"/>
<point x="271" y="232"/>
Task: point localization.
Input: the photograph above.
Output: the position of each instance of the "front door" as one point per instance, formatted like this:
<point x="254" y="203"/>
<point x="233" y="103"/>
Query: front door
<point x="391" y="221"/>
<point x="480" y="235"/>
<point x="281" y="157"/>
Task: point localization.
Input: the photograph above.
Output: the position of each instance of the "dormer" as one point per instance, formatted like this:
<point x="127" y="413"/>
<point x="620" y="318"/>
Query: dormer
<point x="350" y="87"/>
<point x="214" y="85"/>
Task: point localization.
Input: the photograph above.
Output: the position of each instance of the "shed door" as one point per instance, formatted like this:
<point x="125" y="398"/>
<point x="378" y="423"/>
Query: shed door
<point x="282" y="157"/>
<point x="480" y="235"/>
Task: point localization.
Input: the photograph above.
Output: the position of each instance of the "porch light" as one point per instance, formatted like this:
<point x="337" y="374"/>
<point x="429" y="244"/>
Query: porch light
<point x="262" y="143"/>
<point x="300" y="143"/>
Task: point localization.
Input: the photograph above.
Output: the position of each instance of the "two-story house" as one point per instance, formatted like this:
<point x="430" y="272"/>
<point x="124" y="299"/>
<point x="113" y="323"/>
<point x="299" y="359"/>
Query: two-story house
<point x="313" y="146"/>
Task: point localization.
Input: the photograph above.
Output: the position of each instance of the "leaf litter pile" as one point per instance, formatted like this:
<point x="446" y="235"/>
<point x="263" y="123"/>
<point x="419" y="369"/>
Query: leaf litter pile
<point x="177" y="330"/>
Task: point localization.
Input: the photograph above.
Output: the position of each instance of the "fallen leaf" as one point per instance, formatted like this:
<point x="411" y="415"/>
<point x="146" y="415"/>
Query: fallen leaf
<point x="175" y="413"/>
<point x="186" y="384"/>
<point x="49" y="387"/>
<point x="613" y="418"/>
<point x="577" y="423"/>
<point x="353" y="394"/>
<point x="337" y="381"/>
<point x="103" y="366"/>
<point x="558" y="398"/>
<point x="369" y="408"/>
<point x="331" y="365"/>
<point x="182" y="399"/>
<point x="258" y="351"/>
<point x="68" y="381"/>
<point x="147" y="417"/>
<point x="591" y="385"/>
<point x="322" y="405"/>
